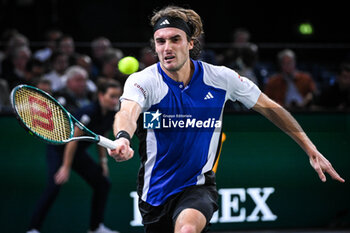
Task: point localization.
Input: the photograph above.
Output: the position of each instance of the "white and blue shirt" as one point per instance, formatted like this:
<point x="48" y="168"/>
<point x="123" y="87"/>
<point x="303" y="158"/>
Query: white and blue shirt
<point x="182" y="152"/>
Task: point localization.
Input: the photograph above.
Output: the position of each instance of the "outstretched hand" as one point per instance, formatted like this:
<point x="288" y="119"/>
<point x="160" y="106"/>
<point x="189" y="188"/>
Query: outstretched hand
<point x="123" y="152"/>
<point x="62" y="175"/>
<point x="322" y="166"/>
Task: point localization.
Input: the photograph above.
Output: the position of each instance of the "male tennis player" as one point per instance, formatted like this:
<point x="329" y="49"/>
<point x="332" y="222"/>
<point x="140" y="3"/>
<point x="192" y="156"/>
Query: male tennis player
<point x="182" y="100"/>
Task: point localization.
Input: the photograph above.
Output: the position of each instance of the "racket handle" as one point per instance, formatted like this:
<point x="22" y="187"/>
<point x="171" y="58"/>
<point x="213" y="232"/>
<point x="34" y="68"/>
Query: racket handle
<point x="107" y="143"/>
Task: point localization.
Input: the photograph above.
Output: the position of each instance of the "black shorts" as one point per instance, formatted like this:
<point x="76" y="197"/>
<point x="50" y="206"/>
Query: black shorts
<point x="161" y="219"/>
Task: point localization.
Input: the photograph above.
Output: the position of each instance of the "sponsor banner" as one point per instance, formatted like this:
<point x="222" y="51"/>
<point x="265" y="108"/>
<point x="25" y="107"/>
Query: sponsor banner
<point x="232" y="208"/>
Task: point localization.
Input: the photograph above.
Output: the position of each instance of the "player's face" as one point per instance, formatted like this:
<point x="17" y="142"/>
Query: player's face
<point x="110" y="99"/>
<point x="172" y="48"/>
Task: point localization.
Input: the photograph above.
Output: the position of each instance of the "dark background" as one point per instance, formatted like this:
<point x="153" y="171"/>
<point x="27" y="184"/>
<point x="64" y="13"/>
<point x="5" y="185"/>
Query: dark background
<point x="273" y="25"/>
<point x="128" y="21"/>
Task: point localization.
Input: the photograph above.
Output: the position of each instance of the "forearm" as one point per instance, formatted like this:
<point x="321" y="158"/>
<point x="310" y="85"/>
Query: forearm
<point x="71" y="148"/>
<point x="285" y="121"/>
<point x="69" y="152"/>
<point x="102" y="154"/>
<point x="122" y="122"/>
<point x="126" y="118"/>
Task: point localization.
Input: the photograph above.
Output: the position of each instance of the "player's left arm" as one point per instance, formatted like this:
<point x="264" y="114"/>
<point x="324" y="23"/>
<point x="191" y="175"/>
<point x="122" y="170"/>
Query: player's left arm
<point x="286" y="122"/>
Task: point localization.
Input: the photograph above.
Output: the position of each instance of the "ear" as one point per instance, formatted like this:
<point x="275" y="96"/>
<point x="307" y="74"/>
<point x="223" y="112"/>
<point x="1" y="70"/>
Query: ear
<point x="191" y="44"/>
<point x="99" y="96"/>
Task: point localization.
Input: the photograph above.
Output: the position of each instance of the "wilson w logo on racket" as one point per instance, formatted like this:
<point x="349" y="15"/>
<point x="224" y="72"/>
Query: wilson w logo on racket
<point x="42" y="115"/>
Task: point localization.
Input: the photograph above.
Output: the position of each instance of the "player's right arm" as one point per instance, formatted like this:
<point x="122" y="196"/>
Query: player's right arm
<point x="140" y="92"/>
<point x="125" y="120"/>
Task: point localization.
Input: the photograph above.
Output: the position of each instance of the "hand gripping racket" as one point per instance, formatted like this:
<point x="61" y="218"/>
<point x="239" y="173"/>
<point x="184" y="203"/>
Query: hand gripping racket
<point x="43" y="116"/>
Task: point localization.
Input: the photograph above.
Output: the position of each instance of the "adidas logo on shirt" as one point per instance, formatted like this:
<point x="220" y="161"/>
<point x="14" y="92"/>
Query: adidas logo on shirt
<point x="208" y="96"/>
<point x="164" y="22"/>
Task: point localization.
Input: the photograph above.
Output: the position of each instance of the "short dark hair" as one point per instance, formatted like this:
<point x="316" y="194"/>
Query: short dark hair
<point x="103" y="84"/>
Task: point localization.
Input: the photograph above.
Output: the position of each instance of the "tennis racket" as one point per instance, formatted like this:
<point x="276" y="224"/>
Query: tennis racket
<point x="44" y="117"/>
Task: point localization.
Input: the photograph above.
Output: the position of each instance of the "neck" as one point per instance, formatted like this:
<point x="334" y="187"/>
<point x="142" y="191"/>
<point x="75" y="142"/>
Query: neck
<point x="184" y="74"/>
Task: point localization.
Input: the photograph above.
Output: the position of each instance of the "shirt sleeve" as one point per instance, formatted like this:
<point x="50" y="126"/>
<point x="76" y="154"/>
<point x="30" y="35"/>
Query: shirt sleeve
<point x="241" y="88"/>
<point x="137" y="89"/>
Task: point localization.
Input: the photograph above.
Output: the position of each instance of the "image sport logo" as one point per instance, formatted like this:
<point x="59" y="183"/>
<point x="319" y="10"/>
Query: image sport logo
<point x="152" y="120"/>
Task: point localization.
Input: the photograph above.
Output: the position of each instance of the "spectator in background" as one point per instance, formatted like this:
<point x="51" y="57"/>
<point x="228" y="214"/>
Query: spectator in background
<point x="147" y="57"/>
<point x="52" y="37"/>
<point x="85" y="62"/>
<point x="17" y="75"/>
<point x="35" y="69"/>
<point x="243" y="57"/>
<point x="15" y="41"/>
<point x="110" y="67"/>
<point x="246" y="61"/>
<point x="4" y="97"/>
<point x="66" y="45"/>
<point x="245" y="65"/>
<point x="99" y="47"/>
<point x="75" y="94"/>
<point x="5" y="38"/>
<point x="207" y="55"/>
<point x="290" y="88"/>
<point x="43" y="84"/>
<point x="59" y="64"/>
<point x="337" y="95"/>
<point x="240" y="38"/>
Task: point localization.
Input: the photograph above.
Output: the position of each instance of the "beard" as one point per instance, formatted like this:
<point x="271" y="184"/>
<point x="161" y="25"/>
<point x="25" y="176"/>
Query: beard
<point x="176" y="67"/>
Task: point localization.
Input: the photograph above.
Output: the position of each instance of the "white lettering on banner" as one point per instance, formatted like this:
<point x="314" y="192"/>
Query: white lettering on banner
<point x="261" y="205"/>
<point x="137" y="221"/>
<point x="227" y="205"/>
<point x="231" y="206"/>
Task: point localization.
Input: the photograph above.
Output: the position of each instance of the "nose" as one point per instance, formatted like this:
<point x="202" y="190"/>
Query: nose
<point x="167" y="46"/>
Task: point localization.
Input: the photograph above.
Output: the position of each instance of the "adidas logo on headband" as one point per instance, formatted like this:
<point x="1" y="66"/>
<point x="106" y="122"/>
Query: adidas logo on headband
<point x="164" y="22"/>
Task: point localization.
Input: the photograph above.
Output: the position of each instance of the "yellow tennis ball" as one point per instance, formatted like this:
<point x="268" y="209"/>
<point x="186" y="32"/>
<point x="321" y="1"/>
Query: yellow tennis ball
<point x="128" y="65"/>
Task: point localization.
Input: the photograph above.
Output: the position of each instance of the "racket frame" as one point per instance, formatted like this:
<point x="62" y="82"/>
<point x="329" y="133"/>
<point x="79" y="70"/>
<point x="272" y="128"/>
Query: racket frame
<point x="100" y="140"/>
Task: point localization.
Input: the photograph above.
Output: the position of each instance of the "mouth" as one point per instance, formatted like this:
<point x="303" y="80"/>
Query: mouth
<point x="169" y="58"/>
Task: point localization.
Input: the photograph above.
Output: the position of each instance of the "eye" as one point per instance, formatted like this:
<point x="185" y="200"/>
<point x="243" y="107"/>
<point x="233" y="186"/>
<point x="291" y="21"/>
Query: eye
<point x="175" y="39"/>
<point x="160" y="41"/>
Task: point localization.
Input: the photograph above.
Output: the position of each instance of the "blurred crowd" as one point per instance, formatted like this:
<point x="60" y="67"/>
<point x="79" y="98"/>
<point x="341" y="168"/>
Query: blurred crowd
<point x="71" y="75"/>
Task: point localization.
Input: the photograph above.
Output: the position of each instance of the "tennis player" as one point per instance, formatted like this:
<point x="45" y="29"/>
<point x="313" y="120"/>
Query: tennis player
<point x="98" y="117"/>
<point x="184" y="99"/>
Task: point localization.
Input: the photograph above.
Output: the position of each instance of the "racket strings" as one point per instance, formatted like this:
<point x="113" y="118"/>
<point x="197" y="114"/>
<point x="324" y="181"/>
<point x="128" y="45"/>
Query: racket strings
<point x="42" y="115"/>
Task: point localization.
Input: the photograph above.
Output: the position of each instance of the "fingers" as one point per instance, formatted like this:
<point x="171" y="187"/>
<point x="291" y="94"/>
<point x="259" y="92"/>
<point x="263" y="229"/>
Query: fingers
<point x="123" y="152"/>
<point x="316" y="165"/>
<point x="60" y="178"/>
<point x="322" y="165"/>
<point x="334" y="174"/>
